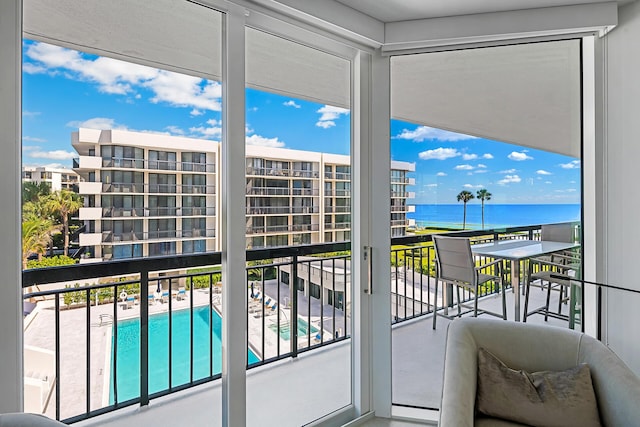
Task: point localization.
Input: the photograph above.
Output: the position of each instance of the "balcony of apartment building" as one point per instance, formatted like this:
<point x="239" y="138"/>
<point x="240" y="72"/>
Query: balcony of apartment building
<point x="305" y="289"/>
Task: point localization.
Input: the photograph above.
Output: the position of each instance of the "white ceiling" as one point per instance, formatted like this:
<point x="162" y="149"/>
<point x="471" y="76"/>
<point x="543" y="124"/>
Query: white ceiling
<point x="405" y="10"/>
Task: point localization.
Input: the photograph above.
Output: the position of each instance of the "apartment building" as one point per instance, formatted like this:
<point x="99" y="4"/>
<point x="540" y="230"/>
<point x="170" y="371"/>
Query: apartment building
<point x="57" y="178"/>
<point x="148" y="194"/>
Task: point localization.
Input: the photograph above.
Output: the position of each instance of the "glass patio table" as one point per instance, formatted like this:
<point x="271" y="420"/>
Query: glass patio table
<point x="516" y="251"/>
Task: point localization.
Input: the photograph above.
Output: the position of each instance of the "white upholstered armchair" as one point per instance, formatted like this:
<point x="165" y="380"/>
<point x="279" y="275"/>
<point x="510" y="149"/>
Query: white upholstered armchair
<point x="532" y="348"/>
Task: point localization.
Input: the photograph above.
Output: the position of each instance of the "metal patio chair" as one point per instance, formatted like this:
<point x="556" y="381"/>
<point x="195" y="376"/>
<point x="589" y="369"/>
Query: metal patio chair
<point x="455" y="265"/>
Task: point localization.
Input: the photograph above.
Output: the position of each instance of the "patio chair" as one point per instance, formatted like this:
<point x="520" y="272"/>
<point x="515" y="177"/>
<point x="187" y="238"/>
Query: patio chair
<point x="182" y="294"/>
<point x="562" y="265"/>
<point x="455" y="265"/>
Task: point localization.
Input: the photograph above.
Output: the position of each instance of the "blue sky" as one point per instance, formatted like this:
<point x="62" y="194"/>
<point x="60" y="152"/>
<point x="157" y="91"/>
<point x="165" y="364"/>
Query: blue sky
<point x="65" y="89"/>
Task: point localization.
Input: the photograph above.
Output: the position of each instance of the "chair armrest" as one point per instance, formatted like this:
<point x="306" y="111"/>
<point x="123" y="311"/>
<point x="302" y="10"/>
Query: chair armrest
<point x="497" y="262"/>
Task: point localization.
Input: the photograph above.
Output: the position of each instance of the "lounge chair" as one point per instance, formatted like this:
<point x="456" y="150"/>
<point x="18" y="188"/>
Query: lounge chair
<point x="182" y="294"/>
<point x="268" y="302"/>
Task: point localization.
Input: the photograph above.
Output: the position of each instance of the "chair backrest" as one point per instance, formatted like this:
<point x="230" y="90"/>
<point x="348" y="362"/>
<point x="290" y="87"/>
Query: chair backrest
<point x="558" y="233"/>
<point x="454" y="259"/>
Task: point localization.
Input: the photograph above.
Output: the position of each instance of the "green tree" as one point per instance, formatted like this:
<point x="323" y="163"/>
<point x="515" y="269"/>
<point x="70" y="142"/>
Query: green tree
<point x="34" y="191"/>
<point x="483" y="195"/>
<point x="464" y="197"/>
<point x="36" y="235"/>
<point x="64" y="203"/>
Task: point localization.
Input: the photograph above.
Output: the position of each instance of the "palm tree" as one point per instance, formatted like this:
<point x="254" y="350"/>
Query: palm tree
<point x="36" y="235"/>
<point x="483" y="195"/>
<point x="34" y="191"/>
<point x="464" y="197"/>
<point x="64" y="203"/>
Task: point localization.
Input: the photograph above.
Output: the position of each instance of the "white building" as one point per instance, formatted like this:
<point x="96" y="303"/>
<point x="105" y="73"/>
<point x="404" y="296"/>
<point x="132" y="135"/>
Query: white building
<point x="148" y="194"/>
<point x="57" y="178"/>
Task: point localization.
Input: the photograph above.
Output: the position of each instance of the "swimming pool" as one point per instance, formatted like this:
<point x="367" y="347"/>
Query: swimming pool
<point x="285" y="329"/>
<point x="128" y="357"/>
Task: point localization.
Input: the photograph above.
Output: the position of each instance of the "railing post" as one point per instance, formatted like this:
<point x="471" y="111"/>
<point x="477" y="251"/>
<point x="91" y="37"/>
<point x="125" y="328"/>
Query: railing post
<point x="293" y="297"/>
<point x="144" y="338"/>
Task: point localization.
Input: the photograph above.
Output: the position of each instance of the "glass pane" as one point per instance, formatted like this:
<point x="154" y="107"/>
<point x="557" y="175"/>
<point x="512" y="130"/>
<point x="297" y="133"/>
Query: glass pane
<point x="493" y="190"/>
<point x="112" y="144"/>
<point x="297" y="305"/>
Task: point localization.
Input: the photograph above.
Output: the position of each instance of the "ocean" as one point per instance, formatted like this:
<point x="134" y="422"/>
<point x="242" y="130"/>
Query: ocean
<point x="495" y="215"/>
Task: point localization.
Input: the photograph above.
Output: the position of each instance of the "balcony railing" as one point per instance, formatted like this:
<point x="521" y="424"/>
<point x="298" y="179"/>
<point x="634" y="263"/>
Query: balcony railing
<point x="157" y="188"/>
<point x="337" y="225"/>
<point x="271" y="210"/>
<point x="281" y="172"/>
<point x="167" y="165"/>
<point x="288" y="290"/>
<point x="342" y="176"/>
<point x="110" y="212"/>
<point x="262" y="229"/>
<point x="161" y="317"/>
<point x="281" y="191"/>
<point x="133" y="236"/>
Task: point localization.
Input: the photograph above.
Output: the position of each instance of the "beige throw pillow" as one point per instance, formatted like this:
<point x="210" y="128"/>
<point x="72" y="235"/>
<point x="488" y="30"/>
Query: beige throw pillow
<point x="540" y="399"/>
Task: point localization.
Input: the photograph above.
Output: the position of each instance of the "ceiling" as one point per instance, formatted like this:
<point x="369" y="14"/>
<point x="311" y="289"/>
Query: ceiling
<point x="406" y="10"/>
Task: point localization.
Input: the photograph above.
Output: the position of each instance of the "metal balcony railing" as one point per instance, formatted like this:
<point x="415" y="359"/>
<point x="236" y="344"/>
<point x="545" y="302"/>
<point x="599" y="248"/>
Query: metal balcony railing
<point x="167" y="165"/>
<point x="175" y="304"/>
<point x="298" y="299"/>
<point x="271" y="210"/>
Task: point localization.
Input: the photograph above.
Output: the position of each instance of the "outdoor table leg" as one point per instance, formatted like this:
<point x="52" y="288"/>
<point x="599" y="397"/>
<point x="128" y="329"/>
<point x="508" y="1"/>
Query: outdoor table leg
<point x="515" y="283"/>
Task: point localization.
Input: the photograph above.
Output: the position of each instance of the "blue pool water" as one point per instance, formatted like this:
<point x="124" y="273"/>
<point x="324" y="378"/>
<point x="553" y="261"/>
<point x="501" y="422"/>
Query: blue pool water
<point x="285" y="329"/>
<point x="128" y="357"/>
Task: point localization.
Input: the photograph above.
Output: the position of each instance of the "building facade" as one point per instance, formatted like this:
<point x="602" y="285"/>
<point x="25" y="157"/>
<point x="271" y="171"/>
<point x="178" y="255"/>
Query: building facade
<point x="56" y="178"/>
<point x="148" y="195"/>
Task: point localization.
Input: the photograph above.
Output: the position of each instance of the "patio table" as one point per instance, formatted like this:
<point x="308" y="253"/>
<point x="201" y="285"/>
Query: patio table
<point x="516" y="251"/>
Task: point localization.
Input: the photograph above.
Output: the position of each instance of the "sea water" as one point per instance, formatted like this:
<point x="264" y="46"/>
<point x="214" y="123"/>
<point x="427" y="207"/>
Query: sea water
<point x="495" y="215"/>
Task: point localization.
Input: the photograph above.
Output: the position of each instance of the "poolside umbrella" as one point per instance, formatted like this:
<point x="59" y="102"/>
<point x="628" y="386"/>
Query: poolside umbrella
<point x="252" y="294"/>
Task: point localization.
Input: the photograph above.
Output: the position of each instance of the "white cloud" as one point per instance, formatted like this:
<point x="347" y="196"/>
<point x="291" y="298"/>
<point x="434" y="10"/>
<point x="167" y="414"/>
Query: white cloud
<point x="33" y="139"/>
<point x="30" y="113"/>
<point x="487" y="156"/>
<point x="174" y="130"/>
<point x="291" y="103"/>
<point x="469" y="156"/>
<point x="548" y="182"/>
<point x="425" y="132"/>
<point x="124" y="78"/>
<point x="509" y="171"/>
<point x="252" y="109"/>
<point x="264" y="142"/>
<point x="480" y="165"/>
<point x="543" y="172"/>
<point x="464" y="168"/>
<point x="326" y="124"/>
<point x="480" y="170"/>
<point x="329" y="114"/>
<point x="472" y="186"/>
<point x="431" y="185"/>
<point x="101" y="123"/>
<point x="508" y="179"/>
<point x="519" y="156"/>
<point x="213" y="131"/>
<point x="195" y="112"/>
<point x="575" y="164"/>
<point x="53" y="155"/>
<point x="441" y="174"/>
<point x="439" y="154"/>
